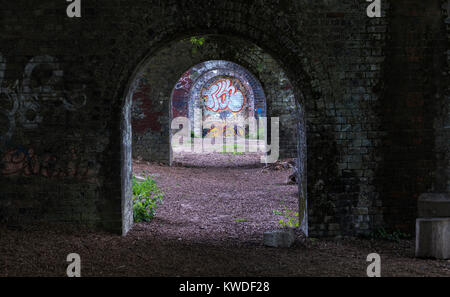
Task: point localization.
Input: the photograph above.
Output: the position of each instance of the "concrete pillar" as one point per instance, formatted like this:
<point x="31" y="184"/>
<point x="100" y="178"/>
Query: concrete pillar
<point x="433" y="226"/>
<point x="433" y="238"/>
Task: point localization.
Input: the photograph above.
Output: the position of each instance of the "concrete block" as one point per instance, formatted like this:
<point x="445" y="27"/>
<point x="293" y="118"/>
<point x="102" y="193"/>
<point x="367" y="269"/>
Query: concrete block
<point x="433" y="238"/>
<point x="434" y="205"/>
<point x="279" y="238"/>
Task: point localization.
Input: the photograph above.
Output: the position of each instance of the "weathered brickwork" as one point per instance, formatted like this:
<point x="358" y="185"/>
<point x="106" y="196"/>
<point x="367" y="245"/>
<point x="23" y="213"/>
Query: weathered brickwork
<point x="443" y="119"/>
<point x="372" y="112"/>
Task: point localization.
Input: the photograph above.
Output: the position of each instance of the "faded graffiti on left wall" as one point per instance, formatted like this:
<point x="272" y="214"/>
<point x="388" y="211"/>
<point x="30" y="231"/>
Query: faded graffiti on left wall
<point x="20" y="102"/>
<point x="25" y="162"/>
<point x="20" y="107"/>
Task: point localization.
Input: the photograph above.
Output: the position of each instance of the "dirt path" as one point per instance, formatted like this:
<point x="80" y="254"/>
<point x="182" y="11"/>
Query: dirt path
<point x="195" y="233"/>
<point x="219" y="197"/>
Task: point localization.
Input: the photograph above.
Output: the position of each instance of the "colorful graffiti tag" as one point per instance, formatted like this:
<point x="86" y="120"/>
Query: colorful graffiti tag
<point x="223" y="96"/>
<point x="185" y="82"/>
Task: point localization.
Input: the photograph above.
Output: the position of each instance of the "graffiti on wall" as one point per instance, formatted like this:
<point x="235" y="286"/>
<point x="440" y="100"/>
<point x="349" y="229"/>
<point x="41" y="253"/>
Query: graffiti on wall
<point x="224" y="107"/>
<point x="20" y="102"/>
<point x="180" y="96"/>
<point x="25" y="162"/>
<point x="21" y="105"/>
<point x="185" y="82"/>
<point x="222" y="96"/>
<point x="143" y="114"/>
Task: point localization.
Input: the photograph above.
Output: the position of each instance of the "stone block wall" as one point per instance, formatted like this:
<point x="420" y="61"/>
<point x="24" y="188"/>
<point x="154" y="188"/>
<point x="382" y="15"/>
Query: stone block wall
<point x="372" y="94"/>
<point x="442" y="123"/>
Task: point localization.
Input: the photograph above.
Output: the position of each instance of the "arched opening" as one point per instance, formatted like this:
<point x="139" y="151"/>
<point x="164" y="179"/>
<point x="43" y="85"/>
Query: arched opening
<point x="160" y="92"/>
<point x="220" y="107"/>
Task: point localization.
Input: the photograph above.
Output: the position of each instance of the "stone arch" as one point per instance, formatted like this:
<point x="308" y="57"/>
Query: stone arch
<point x="168" y="65"/>
<point x="165" y="76"/>
<point x="186" y="94"/>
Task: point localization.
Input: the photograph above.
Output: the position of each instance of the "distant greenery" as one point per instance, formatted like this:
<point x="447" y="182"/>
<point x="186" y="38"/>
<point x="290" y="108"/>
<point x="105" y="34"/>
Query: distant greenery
<point x="260" y="134"/>
<point x="232" y="149"/>
<point x="146" y="198"/>
<point x="237" y="153"/>
<point x="193" y="135"/>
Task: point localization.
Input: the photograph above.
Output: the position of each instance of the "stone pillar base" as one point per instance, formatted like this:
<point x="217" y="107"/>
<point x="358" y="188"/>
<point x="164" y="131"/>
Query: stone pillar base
<point x="279" y="238"/>
<point x="433" y="238"/>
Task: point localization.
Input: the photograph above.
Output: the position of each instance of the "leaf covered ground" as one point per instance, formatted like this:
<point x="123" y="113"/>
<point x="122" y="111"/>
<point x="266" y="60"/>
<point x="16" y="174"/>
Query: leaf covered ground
<point x="215" y="211"/>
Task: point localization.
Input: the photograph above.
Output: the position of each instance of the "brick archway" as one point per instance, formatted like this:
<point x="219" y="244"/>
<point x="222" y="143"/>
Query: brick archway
<point x="376" y="134"/>
<point x="188" y="93"/>
<point x="149" y="97"/>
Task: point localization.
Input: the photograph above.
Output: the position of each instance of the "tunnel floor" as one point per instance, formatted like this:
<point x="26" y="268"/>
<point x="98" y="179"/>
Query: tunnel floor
<point x="211" y="224"/>
<point x="218" y="198"/>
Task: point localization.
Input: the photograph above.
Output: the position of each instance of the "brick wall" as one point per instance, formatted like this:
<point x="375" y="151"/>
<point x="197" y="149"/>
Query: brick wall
<point x="372" y="97"/>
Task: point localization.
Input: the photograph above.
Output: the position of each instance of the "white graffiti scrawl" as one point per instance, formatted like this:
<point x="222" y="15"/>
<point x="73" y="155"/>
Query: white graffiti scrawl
<point x="20" y="102"/>
<point x="222" y="96"/>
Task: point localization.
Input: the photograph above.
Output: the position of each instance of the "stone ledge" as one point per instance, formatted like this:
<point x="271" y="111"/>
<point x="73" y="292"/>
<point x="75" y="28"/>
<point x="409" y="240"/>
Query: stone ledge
<point x="434" y="205"/>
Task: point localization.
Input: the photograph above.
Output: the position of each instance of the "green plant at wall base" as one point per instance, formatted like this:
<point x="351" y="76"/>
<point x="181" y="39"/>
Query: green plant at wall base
<point x="290" y="217"/>
<point x="146" y="198"/>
